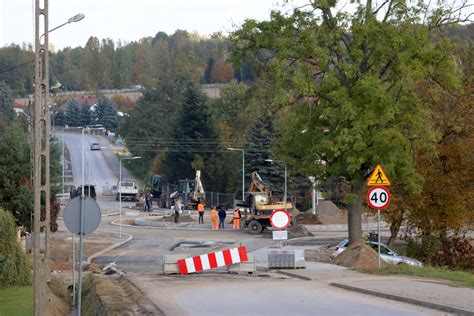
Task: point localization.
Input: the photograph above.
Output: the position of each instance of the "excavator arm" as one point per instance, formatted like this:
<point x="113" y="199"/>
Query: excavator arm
<point x="257" y="184"/>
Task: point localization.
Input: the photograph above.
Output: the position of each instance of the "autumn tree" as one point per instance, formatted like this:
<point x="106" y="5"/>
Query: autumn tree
<point x="345" y="84"/>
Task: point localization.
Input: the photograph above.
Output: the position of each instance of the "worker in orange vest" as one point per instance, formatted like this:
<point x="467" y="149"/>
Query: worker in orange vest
<point x="237" y="219"/>
<point x="214" y="218"/>
<point x="200" y="208"/>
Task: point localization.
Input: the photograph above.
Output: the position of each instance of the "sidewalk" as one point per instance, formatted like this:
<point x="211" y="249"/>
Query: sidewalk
<point x="435" y="294"/>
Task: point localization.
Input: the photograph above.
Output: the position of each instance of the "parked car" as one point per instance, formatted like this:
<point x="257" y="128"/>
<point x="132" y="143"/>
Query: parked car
<point x="386" y="254"/>
<point x="95" y="146"/>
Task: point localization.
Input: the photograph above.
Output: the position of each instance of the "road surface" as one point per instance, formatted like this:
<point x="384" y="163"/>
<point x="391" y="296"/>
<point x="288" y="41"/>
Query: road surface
<point x="215" y="293"/>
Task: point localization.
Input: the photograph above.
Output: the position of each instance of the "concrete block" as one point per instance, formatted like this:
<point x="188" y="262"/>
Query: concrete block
<point x="290" y="259"/>
<point x="249" y="266"/>
<point x="170" y="263"/>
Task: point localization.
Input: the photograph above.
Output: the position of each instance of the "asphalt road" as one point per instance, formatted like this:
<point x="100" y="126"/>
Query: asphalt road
<point x="216" y="294"/>
<point x="96" y="169"/>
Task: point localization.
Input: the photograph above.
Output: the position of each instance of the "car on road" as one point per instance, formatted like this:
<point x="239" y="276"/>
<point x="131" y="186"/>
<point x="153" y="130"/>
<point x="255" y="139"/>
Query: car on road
<point x="386" y="254"/>
<point x="95" y="146"/>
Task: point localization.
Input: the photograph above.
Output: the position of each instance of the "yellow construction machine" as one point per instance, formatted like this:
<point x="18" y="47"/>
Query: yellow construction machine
<point x="259" y="206"/>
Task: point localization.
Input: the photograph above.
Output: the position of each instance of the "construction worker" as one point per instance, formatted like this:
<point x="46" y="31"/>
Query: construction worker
<point x="237" y="219"/>
<point x="200" y="208"/>
<point x="214" y="218"/>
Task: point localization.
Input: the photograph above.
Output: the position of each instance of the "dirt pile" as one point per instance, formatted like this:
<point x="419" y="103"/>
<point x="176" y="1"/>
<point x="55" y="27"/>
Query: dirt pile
<point x="307" y="218"/>
<point x="330" y="214"/>
<point x="358" y="256"/>
<point x="298" y="231"/>
<point x="318" y="255"/>
<point x="182" y="219"/>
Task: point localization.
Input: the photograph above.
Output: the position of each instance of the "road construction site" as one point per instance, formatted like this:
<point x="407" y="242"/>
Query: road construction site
<point x="127" y="273"/>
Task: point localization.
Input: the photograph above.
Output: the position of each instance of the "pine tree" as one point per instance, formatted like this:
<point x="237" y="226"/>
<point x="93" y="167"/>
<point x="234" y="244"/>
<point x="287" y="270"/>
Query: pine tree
<point x="73" y="113"/>
<point x="258" y="149"/>
<point x="85" y="115"/>
<point x="106" y="113"/>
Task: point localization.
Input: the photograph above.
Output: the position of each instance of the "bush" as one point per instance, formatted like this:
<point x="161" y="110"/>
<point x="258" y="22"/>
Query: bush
<point x="15" y="268"/>
<point x="424" y="248"/>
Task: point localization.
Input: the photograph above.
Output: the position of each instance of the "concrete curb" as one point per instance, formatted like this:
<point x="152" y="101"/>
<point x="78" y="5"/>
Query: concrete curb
<point x="116" y="245"/>
<point x="173" y="227"/>
<point x="440" y="307"/>
<point x="294" y="275"/>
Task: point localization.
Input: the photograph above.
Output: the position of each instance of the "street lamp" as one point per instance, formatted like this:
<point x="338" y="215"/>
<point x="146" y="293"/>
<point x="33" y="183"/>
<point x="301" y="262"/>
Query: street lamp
<point x="286" y="178"/>
<point x="243" y="169"/>
<point x="78" y="17"/>
<point x="120" y="191"/>
<point x="41" y="179"/>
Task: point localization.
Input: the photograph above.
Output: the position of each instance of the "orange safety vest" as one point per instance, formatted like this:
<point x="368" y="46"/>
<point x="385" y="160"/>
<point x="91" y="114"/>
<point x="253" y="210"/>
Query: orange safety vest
<point x="236" y="214"/>
<point x="200" y="207"/>
<point x="213" y="214"/>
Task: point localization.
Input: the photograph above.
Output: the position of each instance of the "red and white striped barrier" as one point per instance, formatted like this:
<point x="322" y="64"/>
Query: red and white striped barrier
<point x="212" y="260"/>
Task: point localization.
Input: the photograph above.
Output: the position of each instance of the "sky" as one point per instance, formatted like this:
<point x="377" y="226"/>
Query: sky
<point x="128" y="20"/>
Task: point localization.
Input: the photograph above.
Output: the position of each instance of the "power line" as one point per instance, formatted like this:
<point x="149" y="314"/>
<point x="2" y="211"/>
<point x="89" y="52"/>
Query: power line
<point x="17" y="66"/>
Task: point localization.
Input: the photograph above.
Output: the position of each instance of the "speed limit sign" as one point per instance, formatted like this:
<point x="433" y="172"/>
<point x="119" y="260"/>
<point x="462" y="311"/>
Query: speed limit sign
<point x="378" y="197"/>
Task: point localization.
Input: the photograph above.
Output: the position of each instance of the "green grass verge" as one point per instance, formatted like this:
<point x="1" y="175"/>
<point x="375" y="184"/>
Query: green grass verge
<point x="16" y="300"/>
<point x="461" y="278"/>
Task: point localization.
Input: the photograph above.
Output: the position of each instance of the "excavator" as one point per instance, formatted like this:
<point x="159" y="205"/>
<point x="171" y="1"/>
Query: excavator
<point x="260" y="205"/>
<point x="190" y="192"/>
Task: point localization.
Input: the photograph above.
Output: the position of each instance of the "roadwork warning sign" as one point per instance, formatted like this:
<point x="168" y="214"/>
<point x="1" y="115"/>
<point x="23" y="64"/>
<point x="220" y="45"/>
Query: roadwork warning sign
<point x="378" y="178"/>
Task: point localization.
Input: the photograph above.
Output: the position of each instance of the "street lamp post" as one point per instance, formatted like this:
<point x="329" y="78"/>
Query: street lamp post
<point x="120" y="191"/>
<point x="286" y="179"/>
<point x="243" y="169"/>
<point x="41" y="179"/>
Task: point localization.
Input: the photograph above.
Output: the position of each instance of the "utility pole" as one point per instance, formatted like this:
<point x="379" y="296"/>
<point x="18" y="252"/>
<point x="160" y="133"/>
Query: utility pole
<point x="41" y="179"/>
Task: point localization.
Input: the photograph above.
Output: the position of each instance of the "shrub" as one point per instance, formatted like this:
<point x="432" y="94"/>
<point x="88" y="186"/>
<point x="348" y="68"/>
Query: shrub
<point x="15" y="268"/>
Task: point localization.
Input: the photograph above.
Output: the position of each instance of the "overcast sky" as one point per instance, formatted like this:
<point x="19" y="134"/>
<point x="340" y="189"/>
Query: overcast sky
<point x="127" y="20"/>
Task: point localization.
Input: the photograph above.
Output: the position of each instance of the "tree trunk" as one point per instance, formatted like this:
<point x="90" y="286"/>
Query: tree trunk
<point x="354" y="216"/>
<point x="395" y="228"/>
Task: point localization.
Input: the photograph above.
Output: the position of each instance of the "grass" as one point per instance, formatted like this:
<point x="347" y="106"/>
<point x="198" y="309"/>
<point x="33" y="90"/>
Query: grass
<point x="461" y="278"/>
<point x="17" y="300"/>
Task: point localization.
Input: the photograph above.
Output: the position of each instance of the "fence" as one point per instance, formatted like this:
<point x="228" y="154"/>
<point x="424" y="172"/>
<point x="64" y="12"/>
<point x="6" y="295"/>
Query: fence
<point x="217" y="198"/>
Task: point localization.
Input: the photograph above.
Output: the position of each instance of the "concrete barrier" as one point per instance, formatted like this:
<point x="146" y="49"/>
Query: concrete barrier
<point x="248" y="267"/>
<point x="170" y="263"/>
<point x="292" y="259"/>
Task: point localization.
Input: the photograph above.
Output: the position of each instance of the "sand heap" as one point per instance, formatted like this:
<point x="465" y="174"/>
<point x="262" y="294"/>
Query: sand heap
<point x="358" y="256"/>
<point x="183" y="218"/>
<point x="330" y="214"/>
<point x="307" y="218"/>
<point x="298" y="231"/>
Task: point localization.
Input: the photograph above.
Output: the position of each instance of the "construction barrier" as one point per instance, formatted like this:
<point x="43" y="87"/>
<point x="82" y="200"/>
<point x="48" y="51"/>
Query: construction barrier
<point x="248" y="267"/>
<point x="212" y="260"/>
<point x="170" y="263"/>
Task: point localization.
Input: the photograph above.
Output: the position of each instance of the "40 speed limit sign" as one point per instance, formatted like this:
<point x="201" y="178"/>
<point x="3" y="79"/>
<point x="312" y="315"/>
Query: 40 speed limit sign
<point x="378" y="197"/>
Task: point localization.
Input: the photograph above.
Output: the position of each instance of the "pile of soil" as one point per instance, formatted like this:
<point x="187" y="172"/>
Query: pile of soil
<point x="298" y="231"/>
<point x="358" y="256"/>
<point x="307" y="218"/>
<point x="182" y="219"/>
<point x="330" y="214"/>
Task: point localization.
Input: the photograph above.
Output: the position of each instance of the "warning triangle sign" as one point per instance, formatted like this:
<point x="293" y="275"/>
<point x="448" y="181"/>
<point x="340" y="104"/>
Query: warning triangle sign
<point x="378" y="177"/>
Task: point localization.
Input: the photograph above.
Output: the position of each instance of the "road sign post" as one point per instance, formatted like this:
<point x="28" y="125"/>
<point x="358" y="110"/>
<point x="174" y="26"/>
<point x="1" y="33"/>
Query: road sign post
<point x="378" y="198"/>
<point x="280" y="219"/>
<point x="81" y="216"/>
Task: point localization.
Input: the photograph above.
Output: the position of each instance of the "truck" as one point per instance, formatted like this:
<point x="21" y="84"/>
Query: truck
<point x="259" y="206"/>
<point x="127" y="190"/>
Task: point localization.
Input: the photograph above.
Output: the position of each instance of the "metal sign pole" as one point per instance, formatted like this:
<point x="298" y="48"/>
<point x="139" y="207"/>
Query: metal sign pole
<point x="73" y="271"/>
<point x="378" y="235"/>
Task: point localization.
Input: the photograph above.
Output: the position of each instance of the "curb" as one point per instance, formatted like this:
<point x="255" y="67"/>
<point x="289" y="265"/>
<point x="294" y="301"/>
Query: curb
<point x="116" y="245"/>
<point x="294" y="275"/>
<point x="440" y="307"/>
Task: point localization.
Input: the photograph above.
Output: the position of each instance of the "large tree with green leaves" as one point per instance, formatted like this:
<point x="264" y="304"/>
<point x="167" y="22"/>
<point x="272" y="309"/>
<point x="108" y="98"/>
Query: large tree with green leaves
<point x="106" y="113"/>
<point x="346" y="87"/>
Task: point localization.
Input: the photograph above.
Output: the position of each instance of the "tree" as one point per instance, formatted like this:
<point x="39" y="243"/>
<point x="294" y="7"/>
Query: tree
<point x="207" y="72"/>
<point x="73" y="113"/>
<point x="258" y="149"/>
<point x="16" y="194"/>
<point x="106" y="113"/>
<point x="345" y="84"/>
<point x="85" y="117"/>
<point x="195" y="132"/>
<point x="221" y="72"/>
<point x="6" y="105"/>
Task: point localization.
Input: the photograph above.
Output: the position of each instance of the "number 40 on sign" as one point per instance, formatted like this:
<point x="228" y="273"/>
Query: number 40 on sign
<point x="378" y="197"/>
